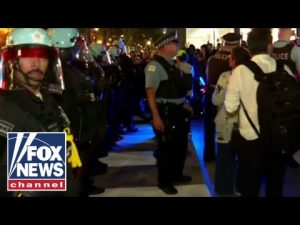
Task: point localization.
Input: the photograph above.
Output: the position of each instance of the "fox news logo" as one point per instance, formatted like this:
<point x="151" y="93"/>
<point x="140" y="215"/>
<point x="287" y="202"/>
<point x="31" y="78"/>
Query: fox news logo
<point x="36" y="161"/>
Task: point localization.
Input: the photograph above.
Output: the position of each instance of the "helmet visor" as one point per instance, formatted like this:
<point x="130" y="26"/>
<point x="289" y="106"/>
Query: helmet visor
<point x="82" y="52"/>
<point x="9" y="59"/>
<point x="45" y="52"/>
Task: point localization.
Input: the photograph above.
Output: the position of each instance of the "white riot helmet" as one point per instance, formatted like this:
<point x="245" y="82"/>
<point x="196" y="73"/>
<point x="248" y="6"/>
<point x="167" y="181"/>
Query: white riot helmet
<point x="81" y="50"/>
<point x="100" y="52"/>
<point x="113" y="51"/>
<point x="97" y="49"/>
<point x="29" y="42"/>
<point x="114" y="54"/>
<point x="63" y="37"/>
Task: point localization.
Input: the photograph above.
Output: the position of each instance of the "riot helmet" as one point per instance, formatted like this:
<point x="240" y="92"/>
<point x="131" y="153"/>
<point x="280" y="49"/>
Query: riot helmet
<point x="64" y="39"/>
<point x="30" y="60"/>
<point x="83" y="59"/>
<point x="100" y="53"/>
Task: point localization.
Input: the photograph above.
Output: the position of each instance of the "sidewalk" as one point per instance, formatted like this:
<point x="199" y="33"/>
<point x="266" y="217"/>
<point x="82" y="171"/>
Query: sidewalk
<point x="132" y="170"/>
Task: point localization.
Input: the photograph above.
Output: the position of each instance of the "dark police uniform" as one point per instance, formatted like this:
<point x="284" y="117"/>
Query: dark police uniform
<point x="79" y="102"/>
<point x="216" y="65"/>
<point x="21" y="111"/>
<point x="282" y="53"/>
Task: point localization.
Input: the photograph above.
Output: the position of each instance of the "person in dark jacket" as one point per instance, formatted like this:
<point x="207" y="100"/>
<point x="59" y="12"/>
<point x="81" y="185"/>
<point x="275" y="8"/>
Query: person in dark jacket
<point x="25" y="103"/>
<point x="217" y="64"/>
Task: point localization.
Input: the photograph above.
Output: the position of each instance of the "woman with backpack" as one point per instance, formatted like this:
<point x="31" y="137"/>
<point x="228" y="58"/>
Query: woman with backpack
<point x="226" y="125"/>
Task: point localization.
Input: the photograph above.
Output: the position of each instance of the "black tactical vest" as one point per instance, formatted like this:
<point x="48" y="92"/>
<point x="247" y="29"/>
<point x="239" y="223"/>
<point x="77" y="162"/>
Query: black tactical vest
<point x="28" y="113"/>
<point x="79" y="103"/>
<point x="175" y="86"/>
<point x="217" y="64"/>
<point x="22" y="111"/>
<point x="283" y="55"/>
<point x="46" y="113"/>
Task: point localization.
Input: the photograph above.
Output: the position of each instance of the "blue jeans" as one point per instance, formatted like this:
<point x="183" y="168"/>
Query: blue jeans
<point x="225" y="172"/>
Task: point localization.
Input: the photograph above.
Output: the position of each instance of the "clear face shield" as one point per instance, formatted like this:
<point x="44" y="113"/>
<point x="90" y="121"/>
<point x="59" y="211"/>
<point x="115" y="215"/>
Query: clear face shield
<point x="82" y="52"/>
<point x="100" y="54"/>
<point x="106" y="60"/>
<point x="15" y="73"/>
<point x="114" y="54"/>
<point x="85" y="61"/>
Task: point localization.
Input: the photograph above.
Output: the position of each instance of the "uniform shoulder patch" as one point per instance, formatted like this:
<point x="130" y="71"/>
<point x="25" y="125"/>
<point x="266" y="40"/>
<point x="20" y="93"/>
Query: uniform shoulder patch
<point x="5" y="127"/>
<point x="152" y="68"/>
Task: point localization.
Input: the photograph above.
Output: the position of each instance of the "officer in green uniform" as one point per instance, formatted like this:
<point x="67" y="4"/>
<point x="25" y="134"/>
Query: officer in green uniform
<point x="166" y="90"/>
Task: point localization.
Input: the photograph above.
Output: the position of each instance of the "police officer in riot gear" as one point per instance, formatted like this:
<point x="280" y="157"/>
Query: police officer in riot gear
<point x="109" y="89"/>
<point x="127" y="91"/>
<point x="217" y="64"/>
<point x="166" y="90"/>
<point x="100" y="54"/>
<point x="94" y="75"/>
<point x="29" y="62"/>
<point x="79" y="103"/>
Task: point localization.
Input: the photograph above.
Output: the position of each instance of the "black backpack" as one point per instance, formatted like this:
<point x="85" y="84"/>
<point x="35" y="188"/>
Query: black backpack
<point x="278" y="100"/>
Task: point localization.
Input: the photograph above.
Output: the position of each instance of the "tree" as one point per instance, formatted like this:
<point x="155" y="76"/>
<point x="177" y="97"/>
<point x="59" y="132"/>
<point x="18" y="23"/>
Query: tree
<point x="132" y="36"/>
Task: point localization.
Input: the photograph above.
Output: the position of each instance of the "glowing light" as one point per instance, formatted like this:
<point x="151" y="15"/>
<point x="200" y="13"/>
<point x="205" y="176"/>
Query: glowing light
<point x="108" y="57"/>
<point x="200" y="36"/>
<point x="203" y="90"/>
<point x="202" y="82"/>
<point x="96" y="29"/>
<point x="5" y="30"/>
<point x="148" y="42"/>
<point x="99" y="41"/>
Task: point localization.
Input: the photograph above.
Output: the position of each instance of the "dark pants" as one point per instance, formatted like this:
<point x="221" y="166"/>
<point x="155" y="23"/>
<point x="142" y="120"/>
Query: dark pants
<point x="225" y="169"/>
<point x="3" y="182"/>
<point x="210" y="113"/>
<point x="255" y="162"/>
<point x="172" y="143"/>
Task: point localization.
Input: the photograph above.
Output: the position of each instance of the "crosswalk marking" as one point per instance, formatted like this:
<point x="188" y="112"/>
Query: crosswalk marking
<point x="129" y="159"/>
